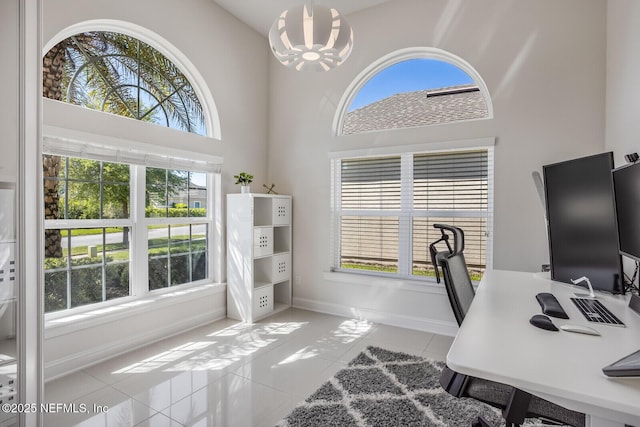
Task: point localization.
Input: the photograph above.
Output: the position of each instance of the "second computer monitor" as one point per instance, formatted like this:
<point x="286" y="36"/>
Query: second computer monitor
<point x="626" y="182"/>
<point x="583" y="237"/>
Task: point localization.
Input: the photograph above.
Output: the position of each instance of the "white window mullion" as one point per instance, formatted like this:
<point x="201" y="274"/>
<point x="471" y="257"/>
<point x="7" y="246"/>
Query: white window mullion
<point x="138" y="264"/>
<point x="370" y="212"/>
<point x="103" y="261"/>
<point x="86" y="223"/>
<point x="68" y="266"/>
<point x="336" y="212"/>
<point x="183" y="220"/>
<point x="406" y="206"/>
<point x="215" y="229"/>
<point x="449" y="214"/>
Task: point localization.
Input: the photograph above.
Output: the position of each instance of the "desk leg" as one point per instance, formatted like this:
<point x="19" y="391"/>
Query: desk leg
<point x="595" y="421"/>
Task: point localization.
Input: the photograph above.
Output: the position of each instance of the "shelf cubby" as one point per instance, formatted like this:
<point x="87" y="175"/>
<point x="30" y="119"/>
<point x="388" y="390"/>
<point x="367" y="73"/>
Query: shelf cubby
<point x="262" y="271"/>
<point x="262" y="212"/>
<point x="282" y="293"/>
<point x="281" y="239"/>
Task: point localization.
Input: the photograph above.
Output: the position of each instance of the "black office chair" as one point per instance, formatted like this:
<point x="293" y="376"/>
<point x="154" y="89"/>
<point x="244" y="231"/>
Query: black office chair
<point x="516" y="405"/>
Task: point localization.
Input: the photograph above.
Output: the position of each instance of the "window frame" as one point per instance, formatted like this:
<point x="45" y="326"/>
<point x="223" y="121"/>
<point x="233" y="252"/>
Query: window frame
<point x="406" y="213"/>
<point x="401" y="55"/>
<point x="174" y="221"/>
<point x="138" y="223"/>
<point x="165" y="47"/>
<point x="97" y="223"/>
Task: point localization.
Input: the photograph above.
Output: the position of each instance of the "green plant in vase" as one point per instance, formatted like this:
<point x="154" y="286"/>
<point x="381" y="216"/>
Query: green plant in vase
<point x="244" y="179"/>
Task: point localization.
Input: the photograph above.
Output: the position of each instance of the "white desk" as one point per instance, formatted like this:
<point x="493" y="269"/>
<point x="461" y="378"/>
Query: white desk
<point x="496" y="342"/>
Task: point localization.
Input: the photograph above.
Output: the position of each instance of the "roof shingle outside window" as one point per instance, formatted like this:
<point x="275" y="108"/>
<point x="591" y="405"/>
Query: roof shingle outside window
<point x="420" y="108"/>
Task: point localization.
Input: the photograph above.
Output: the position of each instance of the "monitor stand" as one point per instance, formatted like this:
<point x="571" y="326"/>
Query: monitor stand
<point x="590" y="295"/>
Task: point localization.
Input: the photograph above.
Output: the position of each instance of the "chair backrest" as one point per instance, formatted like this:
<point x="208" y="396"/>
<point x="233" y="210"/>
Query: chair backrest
<point x="458" y="284"/>
<point x="458" y="245"/>
<point x="454" y="271"/>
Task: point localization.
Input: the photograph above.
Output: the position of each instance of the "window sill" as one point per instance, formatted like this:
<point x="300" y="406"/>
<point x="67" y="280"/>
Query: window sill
<point x="58" y="325"/>
<point x="420" y="286"/>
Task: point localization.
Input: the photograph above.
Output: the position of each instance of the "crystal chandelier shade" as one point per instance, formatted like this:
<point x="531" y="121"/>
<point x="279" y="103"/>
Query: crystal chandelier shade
<point x="311" y="38"/>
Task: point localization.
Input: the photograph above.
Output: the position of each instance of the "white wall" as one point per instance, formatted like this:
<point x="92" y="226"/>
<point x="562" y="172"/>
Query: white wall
<point x="623" y="85"/>
<point x="231" y="57"/>
<point x="9" y="100"/>
<point x="103" y="334"/>
<point x="544" y="65"/>
<point x="233" y="60"/>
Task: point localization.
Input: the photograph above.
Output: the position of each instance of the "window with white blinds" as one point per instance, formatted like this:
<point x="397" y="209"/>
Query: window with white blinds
<point x="370" y="193"/>
<point x="385" y="208"/>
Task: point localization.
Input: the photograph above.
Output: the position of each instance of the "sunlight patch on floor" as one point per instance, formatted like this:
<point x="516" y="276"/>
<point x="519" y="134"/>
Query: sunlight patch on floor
<point x="302" y="354"/>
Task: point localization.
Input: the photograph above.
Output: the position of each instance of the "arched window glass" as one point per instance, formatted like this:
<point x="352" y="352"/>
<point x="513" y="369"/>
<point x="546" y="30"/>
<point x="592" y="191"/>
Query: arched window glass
<point x="95" y="221"/>
<point x="420" y="90"/>
<point x="387" y="200"/>
<point x="119" y="74"/>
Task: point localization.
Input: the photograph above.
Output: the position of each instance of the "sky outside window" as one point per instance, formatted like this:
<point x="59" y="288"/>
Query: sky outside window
<point x="409" y="76"/>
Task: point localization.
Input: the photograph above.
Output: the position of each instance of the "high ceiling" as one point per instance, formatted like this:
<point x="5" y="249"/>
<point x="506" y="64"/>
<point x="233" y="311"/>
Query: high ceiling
<point x="260" y="14"/>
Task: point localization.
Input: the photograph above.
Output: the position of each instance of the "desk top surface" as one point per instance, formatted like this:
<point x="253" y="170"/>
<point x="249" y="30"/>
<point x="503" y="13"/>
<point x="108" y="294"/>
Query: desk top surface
<point x="497" y="342"/>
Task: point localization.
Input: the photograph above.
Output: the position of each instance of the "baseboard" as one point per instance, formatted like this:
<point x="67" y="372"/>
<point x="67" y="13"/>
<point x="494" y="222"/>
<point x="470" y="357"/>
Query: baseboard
<point x="434" y="326"/>
<point x="61" y="367"/>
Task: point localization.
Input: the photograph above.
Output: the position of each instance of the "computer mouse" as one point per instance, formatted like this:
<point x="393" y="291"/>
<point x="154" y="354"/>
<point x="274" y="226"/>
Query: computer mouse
<point x="543" y="322"/>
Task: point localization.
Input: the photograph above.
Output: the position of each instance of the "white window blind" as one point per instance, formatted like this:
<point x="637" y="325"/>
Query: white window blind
<point x="451" y="181"/>
<point x="371" y="184"/>
<point x="386" y="207"/>
<point x="370" y="199"/>
<point x="154" y="157"/>
<point x="450" y="188"/>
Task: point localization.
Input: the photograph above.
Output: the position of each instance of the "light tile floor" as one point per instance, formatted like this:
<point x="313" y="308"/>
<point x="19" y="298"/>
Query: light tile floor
<point x="226" y="373"/>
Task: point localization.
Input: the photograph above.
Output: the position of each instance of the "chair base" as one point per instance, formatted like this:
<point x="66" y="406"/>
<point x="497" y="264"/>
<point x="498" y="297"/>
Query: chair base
<point x="514" y="409"/>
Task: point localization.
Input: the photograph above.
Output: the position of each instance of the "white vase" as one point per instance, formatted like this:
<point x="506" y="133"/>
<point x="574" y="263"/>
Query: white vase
<point x="245" y="189"/>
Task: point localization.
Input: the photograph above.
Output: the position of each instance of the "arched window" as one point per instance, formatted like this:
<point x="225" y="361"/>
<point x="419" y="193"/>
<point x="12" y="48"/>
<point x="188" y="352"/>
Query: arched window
<point x="410" y="88"/>
<point x="119" y="74"/>
<point x="386" y="200"/>
<point x="112" y="205"/>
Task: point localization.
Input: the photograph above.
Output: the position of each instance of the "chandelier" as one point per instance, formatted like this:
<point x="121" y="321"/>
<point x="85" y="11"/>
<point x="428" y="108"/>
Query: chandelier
<point x="311" y="38"/>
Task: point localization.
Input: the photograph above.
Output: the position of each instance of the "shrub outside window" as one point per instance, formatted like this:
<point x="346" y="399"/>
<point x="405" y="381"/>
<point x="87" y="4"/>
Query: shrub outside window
<point x="173" y="200"/>
<point x="116" y="223"/>
<point x="92" y="273"/>
<point x="90" y="238"/>
<point x="86" y="264"/>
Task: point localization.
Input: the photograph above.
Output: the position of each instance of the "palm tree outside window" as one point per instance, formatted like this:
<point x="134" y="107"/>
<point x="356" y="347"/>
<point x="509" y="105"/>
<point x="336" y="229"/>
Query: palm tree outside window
<point x="117" y="74"/>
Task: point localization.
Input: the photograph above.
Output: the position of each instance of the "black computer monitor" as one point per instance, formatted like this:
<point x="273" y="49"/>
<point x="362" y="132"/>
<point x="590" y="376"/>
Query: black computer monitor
<point x="626" y="184"/>
<point x="583" y="236"/>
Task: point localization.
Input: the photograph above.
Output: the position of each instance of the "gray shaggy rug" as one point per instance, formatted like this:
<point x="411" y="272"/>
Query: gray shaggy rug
<point x="383" y="388"/>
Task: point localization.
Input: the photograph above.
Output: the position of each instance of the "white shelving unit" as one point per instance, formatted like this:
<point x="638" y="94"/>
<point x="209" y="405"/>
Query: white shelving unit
<point x="258" y="255"/>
